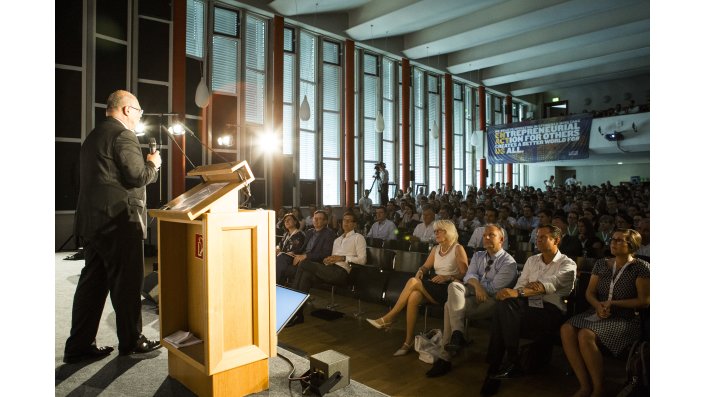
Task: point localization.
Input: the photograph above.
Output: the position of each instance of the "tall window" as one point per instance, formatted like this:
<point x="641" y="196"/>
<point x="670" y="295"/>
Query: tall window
<point x="434" y="133"/>
<point x="419" y="129"/>
<point x="225" y="51"/>
<point x="469" y="128"/>
<point x="388" y="137"/>
<point x="255" y="61"/>
<point x="195" y="11"/>
<point x="458" y="138"/>
<point x="371" y="140"/>
<point x="331" y="131"/>
<point x="308" y="152"/>
<point x="289" y="102"/>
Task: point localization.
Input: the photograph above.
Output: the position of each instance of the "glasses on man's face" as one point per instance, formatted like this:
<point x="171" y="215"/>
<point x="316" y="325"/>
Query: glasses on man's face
<point x="137" y="109"/>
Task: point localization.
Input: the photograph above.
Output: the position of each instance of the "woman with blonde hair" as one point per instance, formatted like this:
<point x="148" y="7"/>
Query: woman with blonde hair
<point x="449" y="261"/>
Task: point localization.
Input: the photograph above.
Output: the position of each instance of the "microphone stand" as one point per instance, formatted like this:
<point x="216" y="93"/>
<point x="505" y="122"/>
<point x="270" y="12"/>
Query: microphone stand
<point x="247" y="191"/>
<point x="161" y="125"/>
<point x="204" y="145"/>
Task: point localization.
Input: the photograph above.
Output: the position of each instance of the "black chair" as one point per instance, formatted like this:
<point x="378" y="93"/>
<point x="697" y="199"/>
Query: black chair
<point x="408" y="261"/>
<point x="374" y="242"/>
<point x="343" y="288"/>
<point x="368" y="284"/>
<point x="380" y="257"/>
<point x="395" y="284"/>
<point x="420" y="247"/>
<point x="400" y="245"/>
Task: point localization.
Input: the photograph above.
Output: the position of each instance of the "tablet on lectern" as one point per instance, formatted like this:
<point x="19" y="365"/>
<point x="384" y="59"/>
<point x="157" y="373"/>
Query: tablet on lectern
<point x="288" y="302"/>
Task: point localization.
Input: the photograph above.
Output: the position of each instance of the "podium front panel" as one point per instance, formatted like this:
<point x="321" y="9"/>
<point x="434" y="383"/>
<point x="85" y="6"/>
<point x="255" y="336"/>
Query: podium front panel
<point x="239" y="282"/>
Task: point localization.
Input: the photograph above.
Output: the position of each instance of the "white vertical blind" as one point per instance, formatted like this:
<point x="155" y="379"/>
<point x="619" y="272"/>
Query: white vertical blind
<point x="389" y="134"/>
<point x="225" y="51"/>
<point x="419" y="128"/>
<point x="308" y="151"/>
<point x="288" y="122"/>
<point x="195" y="14"/>
<point x="331" y="131"/>
<point x="255" y="61"/>
<point x="433" y="142"/>
<point x="458" y="138"/>
<point x="371" y="139"/>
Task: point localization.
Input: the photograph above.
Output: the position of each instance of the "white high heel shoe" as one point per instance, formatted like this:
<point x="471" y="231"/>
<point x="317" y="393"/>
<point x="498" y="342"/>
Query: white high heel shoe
<point x="403" y="350"/>
<point x="380" y="323"/>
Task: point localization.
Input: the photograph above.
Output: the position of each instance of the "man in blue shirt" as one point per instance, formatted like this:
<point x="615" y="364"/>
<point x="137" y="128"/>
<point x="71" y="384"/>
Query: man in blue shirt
<point x="319" y="245"/>
<point x="489" y="271"/>
<point x="384" y="228"/>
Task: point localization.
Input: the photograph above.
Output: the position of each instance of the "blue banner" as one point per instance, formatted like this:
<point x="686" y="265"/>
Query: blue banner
<point x="557" y="138"/>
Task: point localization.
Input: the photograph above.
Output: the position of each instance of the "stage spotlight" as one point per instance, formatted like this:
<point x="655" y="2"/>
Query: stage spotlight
<point x="140" y="128"/>
<point x="177" y="129"/>
<point x="225" y="140"/>
<point x="268" y="142"/>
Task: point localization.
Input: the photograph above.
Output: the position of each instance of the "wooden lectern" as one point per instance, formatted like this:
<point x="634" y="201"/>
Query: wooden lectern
<point x="216" y="280"/>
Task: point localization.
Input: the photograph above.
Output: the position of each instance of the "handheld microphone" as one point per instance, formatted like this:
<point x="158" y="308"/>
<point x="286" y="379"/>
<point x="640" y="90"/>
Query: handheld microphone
<point x="152" y="145"/>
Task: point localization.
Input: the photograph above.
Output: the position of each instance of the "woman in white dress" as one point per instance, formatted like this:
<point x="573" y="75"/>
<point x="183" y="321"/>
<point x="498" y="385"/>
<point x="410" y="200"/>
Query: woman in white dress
<point x="449" y="262"/>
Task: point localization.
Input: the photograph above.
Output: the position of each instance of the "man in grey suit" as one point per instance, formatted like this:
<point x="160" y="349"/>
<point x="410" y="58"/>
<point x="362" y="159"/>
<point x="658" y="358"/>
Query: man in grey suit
<point x="111" y="219"/>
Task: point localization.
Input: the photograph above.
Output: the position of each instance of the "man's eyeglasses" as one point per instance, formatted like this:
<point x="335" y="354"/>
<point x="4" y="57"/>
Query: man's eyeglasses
<point x="137" y="109"/>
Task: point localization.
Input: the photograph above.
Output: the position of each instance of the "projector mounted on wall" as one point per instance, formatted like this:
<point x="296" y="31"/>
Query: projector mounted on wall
<point x="616" y="135"/>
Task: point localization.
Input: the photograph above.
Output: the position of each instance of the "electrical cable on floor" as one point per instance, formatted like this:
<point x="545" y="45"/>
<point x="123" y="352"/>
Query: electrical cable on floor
<point x="303" y="379"/>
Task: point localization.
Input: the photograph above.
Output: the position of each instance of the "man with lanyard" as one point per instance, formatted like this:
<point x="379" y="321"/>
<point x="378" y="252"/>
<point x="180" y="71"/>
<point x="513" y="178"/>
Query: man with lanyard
<point x="534" y="305"/>
<point x="489" y="271"/>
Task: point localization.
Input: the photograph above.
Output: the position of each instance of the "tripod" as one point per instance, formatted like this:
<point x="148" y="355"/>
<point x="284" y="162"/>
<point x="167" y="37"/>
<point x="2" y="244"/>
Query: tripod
<point x="376" y="180"/>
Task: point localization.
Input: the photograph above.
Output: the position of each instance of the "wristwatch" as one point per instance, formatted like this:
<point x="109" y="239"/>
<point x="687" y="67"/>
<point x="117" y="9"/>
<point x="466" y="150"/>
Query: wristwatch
<point x="521" y="292"/>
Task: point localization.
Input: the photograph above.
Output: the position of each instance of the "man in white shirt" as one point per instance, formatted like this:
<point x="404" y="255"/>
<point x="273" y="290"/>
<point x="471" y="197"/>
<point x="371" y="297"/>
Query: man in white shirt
<point x="423" y="232"/>
<point x="384" y="228"/>
<point x="570" y="181"/>
<point x="365" y="204"/>
<point x="350" y="247"/>
<point x="476" y="238"/>
<point x="535" y="304"/>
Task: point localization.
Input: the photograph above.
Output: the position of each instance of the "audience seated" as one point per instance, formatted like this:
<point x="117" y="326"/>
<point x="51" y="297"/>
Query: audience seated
<point x="583" y="205"/>
<point x="423" y="232"/>
<point x="291" y="244"/>
<point x="319" y="246"/>
<point x="618" y="286"/>
<point x="383" y="228"/>
<point x="570" y="245"/>
<point x="449" y="261"/>
<point x="476" y="240"/>
<point x="534" y="305"/>
<point x="644" y="230"/>
<point x="308" y="221"/>
<point x="488" y="272"/>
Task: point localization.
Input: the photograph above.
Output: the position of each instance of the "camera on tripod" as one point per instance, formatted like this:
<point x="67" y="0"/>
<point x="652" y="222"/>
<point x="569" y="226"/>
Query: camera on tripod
<point x="378" y="168"/>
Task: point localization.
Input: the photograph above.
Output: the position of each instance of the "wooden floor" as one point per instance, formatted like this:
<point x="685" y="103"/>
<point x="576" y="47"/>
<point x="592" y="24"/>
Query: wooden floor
<point x="371" y="361"/>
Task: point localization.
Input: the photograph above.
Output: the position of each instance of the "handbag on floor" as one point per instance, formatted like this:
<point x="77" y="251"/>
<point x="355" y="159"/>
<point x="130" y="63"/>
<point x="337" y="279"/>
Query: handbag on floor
<point x="429" y="345"/>
<point x="637" y="371"/>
